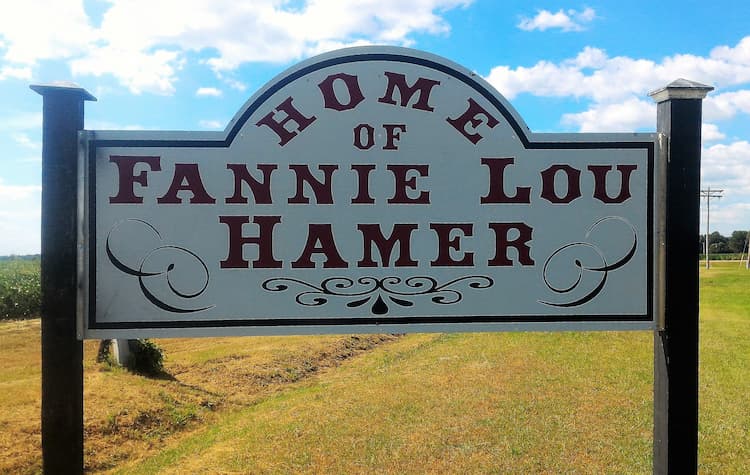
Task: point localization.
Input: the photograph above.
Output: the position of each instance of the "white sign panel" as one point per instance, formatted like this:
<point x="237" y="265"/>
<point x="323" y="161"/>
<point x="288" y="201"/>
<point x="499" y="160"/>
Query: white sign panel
<point x="366" y="190"/>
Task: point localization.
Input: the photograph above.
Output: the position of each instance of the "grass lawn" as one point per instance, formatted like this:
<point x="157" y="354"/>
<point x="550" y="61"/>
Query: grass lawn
<point x="457" y="403"/>
<point x="724" y="432"/>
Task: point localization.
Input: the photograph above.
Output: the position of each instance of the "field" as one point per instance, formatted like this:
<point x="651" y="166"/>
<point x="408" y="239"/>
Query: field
<point x="19" y="287"/>
<point x="458" y="403"/>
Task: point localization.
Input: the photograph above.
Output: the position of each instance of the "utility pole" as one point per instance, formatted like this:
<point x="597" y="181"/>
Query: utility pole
<point x="708" y="194"/>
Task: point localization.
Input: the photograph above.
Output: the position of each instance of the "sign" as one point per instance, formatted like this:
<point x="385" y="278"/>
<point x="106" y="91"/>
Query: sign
<point x="371" y="189"/>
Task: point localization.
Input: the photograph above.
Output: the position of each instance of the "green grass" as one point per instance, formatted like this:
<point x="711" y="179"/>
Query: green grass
<point x="439" y="403"/>
<point x="724" y="435"/>
<point x="491" y="403"/>
<point x="468" y="403"/>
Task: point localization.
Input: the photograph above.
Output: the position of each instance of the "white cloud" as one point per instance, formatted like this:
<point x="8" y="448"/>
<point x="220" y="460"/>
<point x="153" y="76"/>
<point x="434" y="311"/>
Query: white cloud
<point x="616" y="88"/>
<point x="727" y="165"/>
<point x="737" y="54"/>
<point x="20" y="212"/>
<point x="626" y="116"/>
<point x="592" y="74"/>
<point x="726" y="105"/>
<point x="330" y="45"/>
<point x="21" y="121"/>
<point x="208" y="92"/>
<point x="728" y="216"/>
<point x="45" y="29"/>
<point x="145" y="52"/>
<point x="614" y="92"/>
<point x="211" y="124"/>
<point x="236" y="85"/>
<point x="21" y="233"/>
<point x="589" y="58"/>
<point x="139" y="71"/>
<point x="25" y="141"/>
<point x="23" y="72"/>
<point x="18" y="192"/>
<point x="570" y="20"/>
<point x="711" y="133"/>
<point x="105" y="125"/>
<point x="608" y="79"/>
<point x="231" y="81"/>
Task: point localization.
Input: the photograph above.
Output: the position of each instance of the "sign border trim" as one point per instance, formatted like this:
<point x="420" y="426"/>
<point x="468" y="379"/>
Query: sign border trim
<point x="285" y="78"/>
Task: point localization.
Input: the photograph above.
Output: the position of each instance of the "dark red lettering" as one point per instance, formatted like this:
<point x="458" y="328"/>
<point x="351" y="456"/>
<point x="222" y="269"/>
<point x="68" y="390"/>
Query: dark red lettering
<point x="391" y="135"/>
<point x="398" y="81"/>
<point x="363" y="185"/>
<point x="320" y="241"/>
<point x="496" y="193"/>
<point x="370" y="137"/>
<point x="573" y="184"/>
<point x="403" y="184"/>
<point x="472" y="117"/>
<point x="321" y="189"/>
<point x="520" y="243"/>
<point x="186" y="177"/>
<point x="600" y="182"/>
<point x="127" y="179"/>
<point x="292" y="114"/>
<point x="261" y="190"/>
<point x="264" y="241"/>
<point x="329" y="92"/>
<point x="372" y="235"/>
<point x="445" y="244"/>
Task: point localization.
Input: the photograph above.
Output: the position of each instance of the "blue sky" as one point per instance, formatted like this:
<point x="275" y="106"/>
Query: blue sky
<point x="190" y="65"/>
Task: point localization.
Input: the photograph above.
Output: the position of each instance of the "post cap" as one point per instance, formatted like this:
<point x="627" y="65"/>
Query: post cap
<point x="62" y="87"/>
<point x="681" y="89"/>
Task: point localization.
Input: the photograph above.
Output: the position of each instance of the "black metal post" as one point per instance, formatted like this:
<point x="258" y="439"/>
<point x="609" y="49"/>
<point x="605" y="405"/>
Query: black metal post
<point x="62" y="352"/>
<point x="676" y="342"/>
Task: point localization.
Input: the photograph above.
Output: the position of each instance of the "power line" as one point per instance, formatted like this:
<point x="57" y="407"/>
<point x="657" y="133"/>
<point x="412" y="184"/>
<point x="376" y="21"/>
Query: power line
<point x="708" y="194"/>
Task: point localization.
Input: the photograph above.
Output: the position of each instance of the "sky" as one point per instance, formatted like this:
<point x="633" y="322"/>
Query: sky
<point x="569" y="66"/>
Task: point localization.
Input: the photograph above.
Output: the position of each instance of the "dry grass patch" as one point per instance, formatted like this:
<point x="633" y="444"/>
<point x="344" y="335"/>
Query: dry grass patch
<point x="20" y="389"/>
<point x="128" y="417"/>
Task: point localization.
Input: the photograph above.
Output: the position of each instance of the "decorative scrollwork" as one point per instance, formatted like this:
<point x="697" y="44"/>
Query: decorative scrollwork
<point x="371" y="289"/>
<point x="168" y="257"/>
<point x="574" y="254"/>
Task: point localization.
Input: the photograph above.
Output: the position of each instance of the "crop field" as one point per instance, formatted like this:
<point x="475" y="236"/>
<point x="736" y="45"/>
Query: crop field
<point x="19" y="287"/>
<point x="426" y="403"/>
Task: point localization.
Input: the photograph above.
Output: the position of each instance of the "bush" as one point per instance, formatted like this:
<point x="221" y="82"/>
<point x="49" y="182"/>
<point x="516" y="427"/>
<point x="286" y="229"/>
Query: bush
<point x="104" y="353"/>
<point x="145" y="357"/>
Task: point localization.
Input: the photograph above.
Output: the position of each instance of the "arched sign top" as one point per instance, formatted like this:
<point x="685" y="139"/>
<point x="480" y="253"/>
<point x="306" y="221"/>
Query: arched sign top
<point x="367" y="189"/>
<point x="377" y="60"/>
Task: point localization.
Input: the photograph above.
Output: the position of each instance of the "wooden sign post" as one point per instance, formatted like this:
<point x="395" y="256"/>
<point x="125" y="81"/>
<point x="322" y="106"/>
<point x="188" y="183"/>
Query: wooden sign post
<point x="62" y="351"/>
<point x="676" y="341"/>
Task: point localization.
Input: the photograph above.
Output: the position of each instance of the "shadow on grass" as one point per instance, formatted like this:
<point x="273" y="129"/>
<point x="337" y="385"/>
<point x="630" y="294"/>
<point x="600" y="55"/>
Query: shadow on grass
<point x="160" y="375"/>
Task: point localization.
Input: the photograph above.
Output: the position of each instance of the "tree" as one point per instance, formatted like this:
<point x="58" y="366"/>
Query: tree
<point x="717" y="244"/>
<point x="736" y="242"/>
